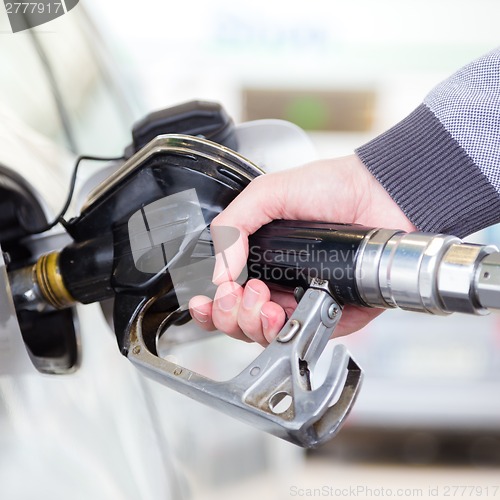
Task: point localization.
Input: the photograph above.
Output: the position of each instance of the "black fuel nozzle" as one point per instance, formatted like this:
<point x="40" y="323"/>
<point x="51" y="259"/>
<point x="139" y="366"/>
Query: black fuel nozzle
<point x="171" y="190"/>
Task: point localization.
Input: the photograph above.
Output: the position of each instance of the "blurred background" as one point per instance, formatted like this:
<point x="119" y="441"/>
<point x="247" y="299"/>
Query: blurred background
<point x="428" y="415"/>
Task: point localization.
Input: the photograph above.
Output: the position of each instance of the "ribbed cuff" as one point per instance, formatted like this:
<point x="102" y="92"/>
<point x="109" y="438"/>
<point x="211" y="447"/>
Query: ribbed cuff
<point x="431" y="177"/>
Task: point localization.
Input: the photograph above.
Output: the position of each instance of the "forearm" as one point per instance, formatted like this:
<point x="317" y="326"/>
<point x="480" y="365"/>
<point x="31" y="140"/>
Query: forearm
<point x="441" y="164"/>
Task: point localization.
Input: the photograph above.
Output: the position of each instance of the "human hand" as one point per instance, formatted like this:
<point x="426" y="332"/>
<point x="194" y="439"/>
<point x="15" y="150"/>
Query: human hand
<point x="338" y="190"/>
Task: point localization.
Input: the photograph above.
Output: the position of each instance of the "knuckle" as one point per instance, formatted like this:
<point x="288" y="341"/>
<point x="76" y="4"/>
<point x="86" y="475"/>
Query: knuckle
<point x="218" y="220"/>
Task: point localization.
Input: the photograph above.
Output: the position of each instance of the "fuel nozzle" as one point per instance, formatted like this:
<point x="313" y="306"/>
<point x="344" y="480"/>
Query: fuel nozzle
<point x="335" y="264"/>
<point x="381" y="268"/>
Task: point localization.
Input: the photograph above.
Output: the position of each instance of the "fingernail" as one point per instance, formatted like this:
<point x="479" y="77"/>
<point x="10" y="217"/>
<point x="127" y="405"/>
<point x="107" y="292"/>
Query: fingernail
<point x="199" y="315"/>
<point x="265" y="320"/>
<point x="250" y="297"/>
<point x="227" y="301"/>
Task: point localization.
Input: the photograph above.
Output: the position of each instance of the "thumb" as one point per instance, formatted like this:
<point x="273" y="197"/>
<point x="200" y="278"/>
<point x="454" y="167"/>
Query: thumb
<point x="258" y="204"/>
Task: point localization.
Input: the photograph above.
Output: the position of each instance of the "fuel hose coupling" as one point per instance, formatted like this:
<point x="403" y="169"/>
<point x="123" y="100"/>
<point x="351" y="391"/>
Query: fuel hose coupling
<point x="432" y="273"/>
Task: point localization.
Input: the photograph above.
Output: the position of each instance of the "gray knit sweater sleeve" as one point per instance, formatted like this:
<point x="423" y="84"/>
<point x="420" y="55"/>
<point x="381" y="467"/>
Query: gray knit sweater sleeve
<point x="441" y="164"/>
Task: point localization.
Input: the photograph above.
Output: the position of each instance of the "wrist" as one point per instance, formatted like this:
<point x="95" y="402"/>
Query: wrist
<point x="376" y="206"/>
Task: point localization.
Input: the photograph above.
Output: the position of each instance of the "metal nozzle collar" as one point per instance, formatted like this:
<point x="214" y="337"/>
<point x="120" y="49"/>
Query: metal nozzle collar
<point x="50" y="281"/>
